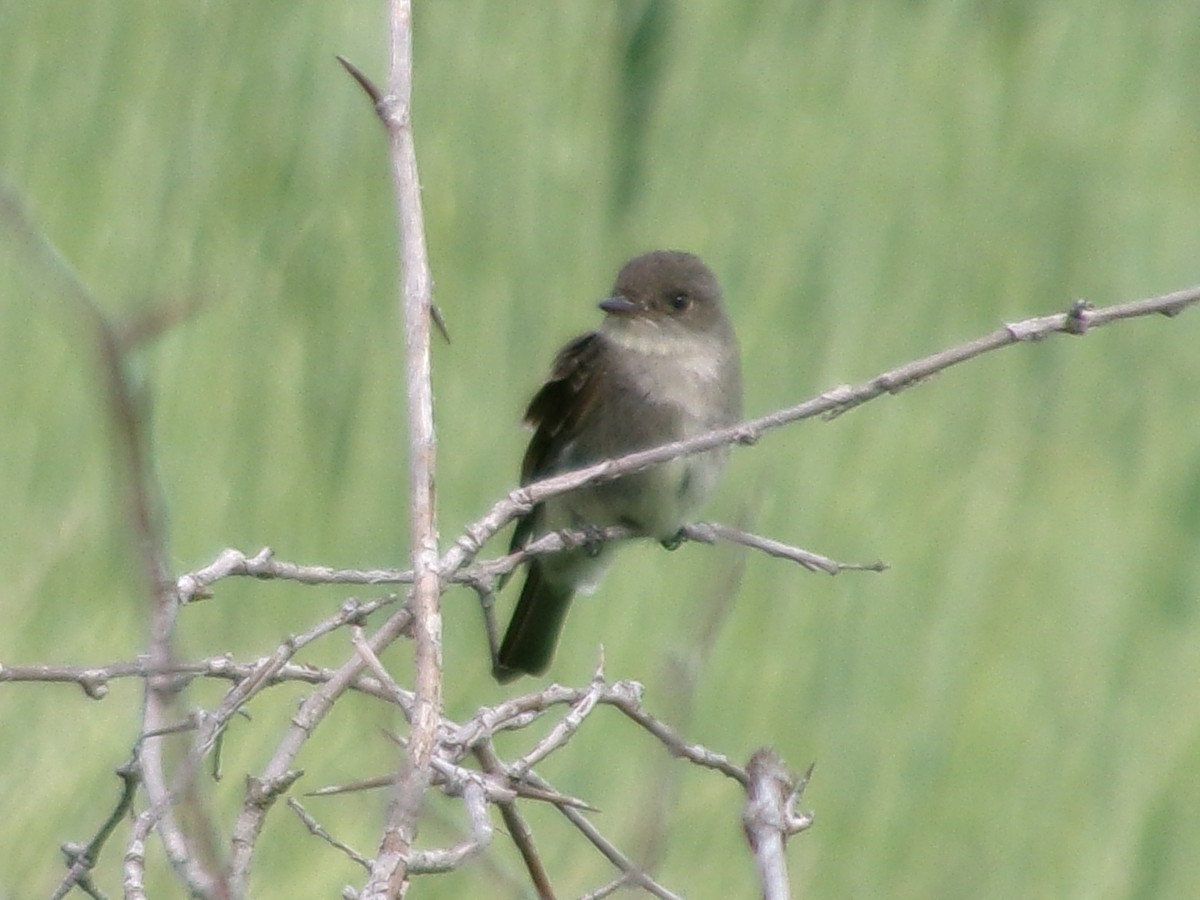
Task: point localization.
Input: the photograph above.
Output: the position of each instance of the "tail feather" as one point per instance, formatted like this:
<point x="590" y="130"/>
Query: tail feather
<point x="529" y="642"/>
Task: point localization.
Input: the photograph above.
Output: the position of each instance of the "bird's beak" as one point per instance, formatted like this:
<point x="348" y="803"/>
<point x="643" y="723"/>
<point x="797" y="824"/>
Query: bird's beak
<point x="620" y="306"/>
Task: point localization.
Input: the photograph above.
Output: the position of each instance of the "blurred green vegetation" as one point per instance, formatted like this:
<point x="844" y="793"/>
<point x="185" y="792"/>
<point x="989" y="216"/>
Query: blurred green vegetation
<point x="1012" y="710"/>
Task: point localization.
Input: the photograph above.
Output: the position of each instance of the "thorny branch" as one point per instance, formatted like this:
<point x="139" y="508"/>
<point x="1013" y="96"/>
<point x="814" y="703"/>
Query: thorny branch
<point x="264" y="565"/>
<point x="770" y="817"/>
<point x="437" y="751"/>
<point x="389" y="873"/>
<point x="1078" y="320"/>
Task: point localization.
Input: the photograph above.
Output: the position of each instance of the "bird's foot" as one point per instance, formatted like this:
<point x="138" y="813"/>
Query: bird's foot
<point x="675" y="540"/>
<point x="593" y="539"/>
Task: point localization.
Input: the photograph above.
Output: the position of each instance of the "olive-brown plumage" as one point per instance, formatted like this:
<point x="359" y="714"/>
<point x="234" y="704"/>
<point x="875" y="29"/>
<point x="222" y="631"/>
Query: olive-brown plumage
<point x="662" y="366"/>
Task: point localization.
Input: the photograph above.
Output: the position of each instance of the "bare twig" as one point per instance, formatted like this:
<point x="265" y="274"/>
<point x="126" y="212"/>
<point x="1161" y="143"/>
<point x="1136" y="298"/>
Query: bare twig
<point x="565" y="729"/>
<point x="607" y="890"/>
<point x="427" y="862"/>
<point x="316" y="830"/>
<point x="630" y="703"/>
<point x="222" y="668"/>
<point x="608" y="850"/>
<point x="499" y="789"/>
<point x="476" y="790"/>
<point x="829" y="404"/>
<point x="770" y="818"/>
<point x="518" y="828"/>
<point x="311" y="713"/>
<point x="262" y="791"/>
<point x="626" y="696"/>
<point x="711" y="532"/>
<point x="389" y="874"/>
<point x="229" y="562"/>
<point x="457" y="557"/>
<point x="134" y="863"/>
<point x="436" y="747"/>
<point x="523" y="837"/>
<point x="142" y="499"/>
<point x="81" y="859"/>
<point x="405" y="699"/>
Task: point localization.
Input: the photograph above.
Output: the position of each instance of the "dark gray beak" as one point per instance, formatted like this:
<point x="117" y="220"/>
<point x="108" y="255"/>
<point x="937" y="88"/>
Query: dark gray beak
<point x="620" y="306"/>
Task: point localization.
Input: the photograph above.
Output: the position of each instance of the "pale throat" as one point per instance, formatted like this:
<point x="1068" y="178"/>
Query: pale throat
<point x="680" y="367"/>
<point x="696" y="355"/>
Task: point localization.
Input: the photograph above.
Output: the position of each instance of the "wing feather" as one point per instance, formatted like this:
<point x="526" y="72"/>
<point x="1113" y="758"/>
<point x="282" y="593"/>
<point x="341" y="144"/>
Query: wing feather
<point x="557" y="412"/>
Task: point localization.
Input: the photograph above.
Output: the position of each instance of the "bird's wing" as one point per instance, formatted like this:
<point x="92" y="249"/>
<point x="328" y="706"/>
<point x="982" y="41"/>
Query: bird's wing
<point x="556" y="413"/>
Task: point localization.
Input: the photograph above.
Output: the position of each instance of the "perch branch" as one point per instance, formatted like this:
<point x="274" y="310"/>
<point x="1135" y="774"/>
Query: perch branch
<point x="1078" y="320"/>
<point x="231" y="563"/>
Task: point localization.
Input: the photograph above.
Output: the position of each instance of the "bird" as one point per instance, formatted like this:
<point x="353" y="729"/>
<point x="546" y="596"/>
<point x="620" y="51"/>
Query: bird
<point x="663" y="366"/>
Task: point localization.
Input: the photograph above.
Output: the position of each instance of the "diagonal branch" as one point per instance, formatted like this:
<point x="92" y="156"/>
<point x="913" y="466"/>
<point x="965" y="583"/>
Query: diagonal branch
<point x="1078" y="321"/>
<point x="312" y="712"/>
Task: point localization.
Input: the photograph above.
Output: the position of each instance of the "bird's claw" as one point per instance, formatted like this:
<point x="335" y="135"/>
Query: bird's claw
<point x="593" y="540"/>
<point x="674" y="541"/>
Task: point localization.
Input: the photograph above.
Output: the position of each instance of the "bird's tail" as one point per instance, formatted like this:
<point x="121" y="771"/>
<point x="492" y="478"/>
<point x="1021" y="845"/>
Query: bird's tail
<point x="532" y="634"/>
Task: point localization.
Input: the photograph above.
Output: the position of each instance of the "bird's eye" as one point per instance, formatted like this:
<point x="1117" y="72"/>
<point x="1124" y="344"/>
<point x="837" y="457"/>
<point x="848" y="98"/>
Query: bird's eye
<point x="680" y="302"/>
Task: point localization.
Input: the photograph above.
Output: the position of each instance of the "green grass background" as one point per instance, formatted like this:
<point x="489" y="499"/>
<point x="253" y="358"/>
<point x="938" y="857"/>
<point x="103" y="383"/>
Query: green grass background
<point x="1012" y="711"/>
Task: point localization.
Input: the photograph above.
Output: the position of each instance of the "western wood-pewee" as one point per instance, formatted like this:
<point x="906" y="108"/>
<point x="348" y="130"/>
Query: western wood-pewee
<point x="662" y="366"/>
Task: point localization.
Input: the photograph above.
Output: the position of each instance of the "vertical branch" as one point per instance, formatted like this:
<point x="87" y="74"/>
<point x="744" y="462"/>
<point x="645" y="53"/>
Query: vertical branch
<point x="142" y="500"/>
<point x="770" y="818"/>
<point x="389" y="875"/>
